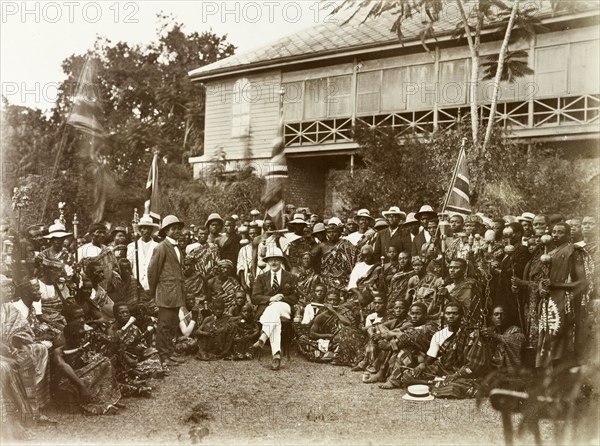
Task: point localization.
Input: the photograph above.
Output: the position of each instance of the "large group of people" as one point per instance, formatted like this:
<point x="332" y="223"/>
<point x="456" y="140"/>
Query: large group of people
<point x="423" y="298"/>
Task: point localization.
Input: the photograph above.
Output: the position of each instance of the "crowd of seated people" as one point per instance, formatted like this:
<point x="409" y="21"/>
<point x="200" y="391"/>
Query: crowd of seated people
<point x="419" y="300"/>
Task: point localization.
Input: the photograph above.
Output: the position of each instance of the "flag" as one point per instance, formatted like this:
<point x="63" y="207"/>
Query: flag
<point x="152" y="204"/>
<point x="84" y="117"/>
<point x="86" y="105"/>
<point x="276" y="178"/>
<point x="458" y="195"/>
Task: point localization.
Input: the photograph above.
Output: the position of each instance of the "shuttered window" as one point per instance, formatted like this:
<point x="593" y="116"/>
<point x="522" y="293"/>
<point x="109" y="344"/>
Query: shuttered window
<point x="240" y="108"/>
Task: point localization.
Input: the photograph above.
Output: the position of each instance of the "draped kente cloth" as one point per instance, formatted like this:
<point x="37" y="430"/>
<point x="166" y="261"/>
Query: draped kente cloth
<point x="399" y="286"/>
<point x="506" y="352"/>
<point x="560" y="312"/>
<point x="336" y="265"/>
<point x="98" y="375"/>
<point x="535" y="272"/>
<point x="31" y="358"/>
<point x="307" y="282"/>
<point x="226" y="291"/>
<point x="198" y="267"/>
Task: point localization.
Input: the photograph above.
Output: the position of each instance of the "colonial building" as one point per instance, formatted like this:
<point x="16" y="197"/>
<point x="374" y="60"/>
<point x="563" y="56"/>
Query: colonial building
<point x="330" y="77"/>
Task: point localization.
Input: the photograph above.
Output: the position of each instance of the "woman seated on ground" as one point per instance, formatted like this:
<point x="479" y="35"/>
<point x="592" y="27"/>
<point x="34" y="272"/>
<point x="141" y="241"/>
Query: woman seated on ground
<point x="134" y="359"/>
<point x="85" y="374"/>
<point x="186" y="341"/>
<point x="215" y="334"/>
<point x="317" y="345"/>
<point x="224" y="285"/>
<point x="246" y="332"/>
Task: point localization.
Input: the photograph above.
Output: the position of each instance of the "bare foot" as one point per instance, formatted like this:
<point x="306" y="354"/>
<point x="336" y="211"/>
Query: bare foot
<point x="377" y="378"/>
<point x="387" y="386"/>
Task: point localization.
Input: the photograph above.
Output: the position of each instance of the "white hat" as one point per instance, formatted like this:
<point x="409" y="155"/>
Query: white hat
<point x="273" y="252"/>
<point x="57" y="230"/>
<point x="393" y="210"/>
<point x="169" y="220"/>
<point x="334" y="221"/>
<point x="298" y="220"/>
<point x="254" y="212"/>
<point x="418" y="392"/>
<point x="363" y="213"/>
<point x="425" y="209"/>
<point x="410" y="218"/>
<point x="145" y="221"/>
<point x="526" y="216"/>
<point x="211" y="217"/>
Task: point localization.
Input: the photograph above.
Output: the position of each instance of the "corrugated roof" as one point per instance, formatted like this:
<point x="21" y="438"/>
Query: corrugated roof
<point x="336" y="38"/>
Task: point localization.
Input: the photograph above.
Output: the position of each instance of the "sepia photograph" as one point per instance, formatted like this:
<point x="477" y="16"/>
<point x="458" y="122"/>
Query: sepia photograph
<point x="311" y="222"/>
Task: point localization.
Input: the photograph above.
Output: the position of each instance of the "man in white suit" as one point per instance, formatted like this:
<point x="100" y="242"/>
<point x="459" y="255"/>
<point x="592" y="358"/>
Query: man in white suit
<point x="145" y="245"/>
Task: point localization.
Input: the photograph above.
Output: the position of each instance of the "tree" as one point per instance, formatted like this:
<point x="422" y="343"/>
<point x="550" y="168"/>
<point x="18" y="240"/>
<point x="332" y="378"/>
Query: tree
<point x="147" y="101"/>
<point x="413" y="172"/>
<point x="475" y="16"/>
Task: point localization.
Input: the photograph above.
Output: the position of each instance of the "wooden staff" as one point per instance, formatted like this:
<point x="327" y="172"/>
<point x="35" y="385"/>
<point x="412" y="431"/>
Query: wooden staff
<point x="136" y="220"/>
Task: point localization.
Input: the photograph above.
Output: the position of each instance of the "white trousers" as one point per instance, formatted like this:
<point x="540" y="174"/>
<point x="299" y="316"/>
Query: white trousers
<point x="271" y="323"/>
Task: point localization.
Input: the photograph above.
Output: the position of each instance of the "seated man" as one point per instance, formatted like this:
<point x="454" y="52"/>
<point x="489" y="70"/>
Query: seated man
<point x="28" y="358"/>
<point x="224" y="285"/>
<point x="317" y="345"/>
<point x="372" y="324"/>
<point x="312" y="308"/>
<point x="85" y="374"/>
<point x="215" y="334"/>
<point x="380" y="350"/>
<point x="456" y="357"/>
<point x="135" y="360"/>
<point x="408" y="344"/>
<point x="246" y="332"/>
<point x="275" y="294"/>
<point x="507" y="343"/>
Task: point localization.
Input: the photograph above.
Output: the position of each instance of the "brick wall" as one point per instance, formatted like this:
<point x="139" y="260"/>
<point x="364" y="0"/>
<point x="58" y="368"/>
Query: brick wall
<point x="306" y="184"/>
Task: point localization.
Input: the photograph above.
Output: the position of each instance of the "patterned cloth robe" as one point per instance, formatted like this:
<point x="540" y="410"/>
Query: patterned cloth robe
<point x="506" y="352"/>
<point x="559" y="314"/>
<point x="31" y="358"/>
<point x="98" y="375"/>
<point x="198" y="267"/>
<point x="337" y="264"/>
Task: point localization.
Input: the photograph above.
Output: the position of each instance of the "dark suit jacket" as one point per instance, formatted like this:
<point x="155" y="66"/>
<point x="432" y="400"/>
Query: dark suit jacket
<point x="400" y="240"/>
<point x="263" y="290"/>
<point x="230" y="248"/>
<point x="418" y="242"/>
<point x="165" y="276"/>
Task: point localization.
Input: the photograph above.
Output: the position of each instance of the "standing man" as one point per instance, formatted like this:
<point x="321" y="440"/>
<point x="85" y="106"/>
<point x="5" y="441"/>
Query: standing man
<point x="393" y="235"/>
<point x="145" y="246"/>
<point x="229" y="242"/>
<point x="275" y="294"/>
<point x="165" y="278"/>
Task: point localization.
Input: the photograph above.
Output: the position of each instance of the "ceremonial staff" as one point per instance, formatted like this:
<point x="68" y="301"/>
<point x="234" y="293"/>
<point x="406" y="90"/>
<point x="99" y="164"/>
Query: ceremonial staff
<point x="136" y="234"/>
<point x="76" y="264"/>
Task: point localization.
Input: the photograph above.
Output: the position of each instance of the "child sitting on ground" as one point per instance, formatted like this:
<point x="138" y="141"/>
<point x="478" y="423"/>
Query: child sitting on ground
<point x="215" y="334"/>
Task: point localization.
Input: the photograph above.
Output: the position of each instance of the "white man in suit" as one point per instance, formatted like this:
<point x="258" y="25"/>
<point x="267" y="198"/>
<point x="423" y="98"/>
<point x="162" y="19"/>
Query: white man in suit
<point x="274" y="294"/>
<point x="165" y="277"/>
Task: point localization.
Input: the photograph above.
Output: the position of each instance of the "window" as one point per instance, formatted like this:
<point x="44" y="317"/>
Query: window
<point x="393" y="94"/>
<point x="240" y="108"/>
<point x="292" y="101"/>
<point x="315" y="98"/>
<point x="368" y="92"/>
<point x="453" y="82"/>
<point x="551" y="70"/>
<point x="421" y="91"/>
<point x="583" y="68"/>
<point x="339" y="96"/>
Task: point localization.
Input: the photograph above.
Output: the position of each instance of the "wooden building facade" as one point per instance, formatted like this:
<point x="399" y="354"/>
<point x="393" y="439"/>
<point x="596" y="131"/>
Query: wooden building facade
<point x="328" y="88"/>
